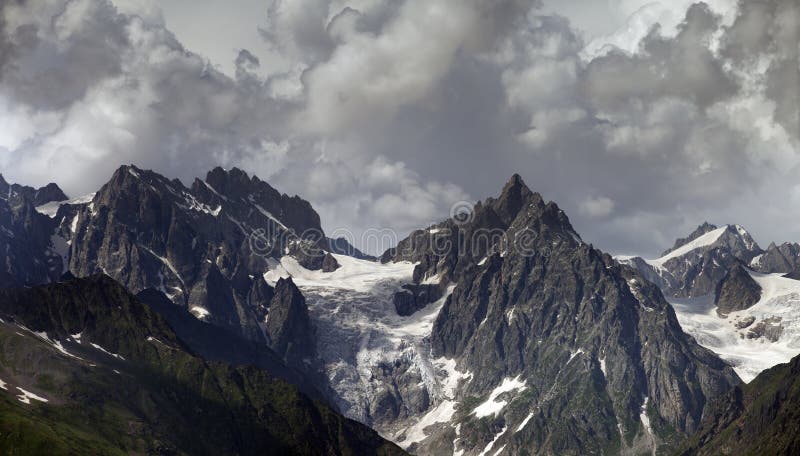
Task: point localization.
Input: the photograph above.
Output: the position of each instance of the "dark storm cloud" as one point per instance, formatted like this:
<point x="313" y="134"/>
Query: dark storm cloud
<point x="682" y="67"/>
<point x="384" y="113"/>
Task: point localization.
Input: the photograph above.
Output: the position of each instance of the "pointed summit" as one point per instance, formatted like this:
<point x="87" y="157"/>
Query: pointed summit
<point x="49" y="193"/>
<point x="514" y="181"/>
<point x="702" y="229"/>
<point x="513" y="198"/>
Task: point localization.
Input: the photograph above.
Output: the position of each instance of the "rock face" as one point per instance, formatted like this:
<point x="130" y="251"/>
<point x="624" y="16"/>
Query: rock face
<point x="736" y="291"/>
<point x="214" y="343"/>
<point x="415" y="297"/>
<point x="31" y="253"/>
<point x="37" y="196"/>
<point x="696" y="264"/>
<point x="288" y="327"/>
<point x="758" y="418"/>
<point x="778" y="259"/>
<point x="310" y="256"/>
<point x="567" y="351"/>
<point x="205" y="247"/>
<point x="329" y="263"/>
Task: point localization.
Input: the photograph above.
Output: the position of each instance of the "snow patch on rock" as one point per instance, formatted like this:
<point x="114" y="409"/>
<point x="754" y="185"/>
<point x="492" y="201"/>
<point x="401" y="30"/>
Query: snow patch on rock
<point x="26" y="396"/>
<point x="492" y="406"/>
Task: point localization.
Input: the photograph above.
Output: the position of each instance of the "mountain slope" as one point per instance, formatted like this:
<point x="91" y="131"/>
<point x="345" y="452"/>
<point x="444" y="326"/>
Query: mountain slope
<point x="95" y="371"/>
<point x="694" y="265"/>
<point x="762" y="417"/>
<point x="566" y="351"/>
<point x="205" y="246"/>
<point x="732" y="297"/>
<point x="754" y="338"/>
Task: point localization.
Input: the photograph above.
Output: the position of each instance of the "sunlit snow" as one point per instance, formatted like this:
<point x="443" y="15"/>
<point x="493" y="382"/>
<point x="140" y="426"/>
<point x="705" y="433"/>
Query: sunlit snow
<point x="51" y="209"/>
<point x="26" y="397"/>
<point x="358" y="330"/>
<point x="780" y="298"/>
<point x="492" y="406"/>
<point x="702" y="241"/>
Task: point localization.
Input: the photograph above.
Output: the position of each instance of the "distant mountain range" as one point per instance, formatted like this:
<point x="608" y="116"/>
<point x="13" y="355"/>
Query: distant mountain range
<point x="219" y="318"/>
<point x="734" y="297"/>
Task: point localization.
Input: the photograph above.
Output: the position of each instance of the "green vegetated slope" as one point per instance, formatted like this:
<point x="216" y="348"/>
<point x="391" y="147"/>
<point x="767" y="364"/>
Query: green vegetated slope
<point x="117" y="380"/>
<point x="760" y="418"/>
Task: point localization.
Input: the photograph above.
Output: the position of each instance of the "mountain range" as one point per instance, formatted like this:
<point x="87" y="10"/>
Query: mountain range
<point x="151" y="310"/>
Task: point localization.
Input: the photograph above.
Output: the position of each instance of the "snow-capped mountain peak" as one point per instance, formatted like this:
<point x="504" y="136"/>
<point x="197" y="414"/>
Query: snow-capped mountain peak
<point x="706" y="240"/>
<point x="696" y="263"/>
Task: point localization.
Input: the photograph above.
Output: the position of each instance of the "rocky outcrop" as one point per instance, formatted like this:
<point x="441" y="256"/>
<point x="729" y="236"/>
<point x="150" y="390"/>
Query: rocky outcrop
<point x="415" y="297"/>
<point x="769" y="328"/>
<point x="310" y="256"/>
<point x="329" y="263"/>
<point x="288" y="326"/>
<point x="736" y="291"/>
<point x="794" y="275"/>
<point x="595" y="355"/>
<point x="397" y="397"/>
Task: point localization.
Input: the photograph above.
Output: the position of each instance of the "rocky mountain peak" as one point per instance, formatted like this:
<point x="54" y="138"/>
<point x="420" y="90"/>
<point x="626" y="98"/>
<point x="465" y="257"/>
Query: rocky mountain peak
<point x="784" y="258"/>
<point x="702" y="229"/>
<point x="514" y="196"/>
<point x="523" y="318"/>
<point x="49" y="193"/>
<point x="230" y="181"/>
<point x="235" y="187"/>
<point x="699" y="261"/>
<point x="202" y="246"/>
<point x="37" y="197"/>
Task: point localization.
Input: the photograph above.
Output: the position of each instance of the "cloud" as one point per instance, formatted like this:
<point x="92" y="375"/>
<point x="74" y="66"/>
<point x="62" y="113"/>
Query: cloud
<point x="384" y="113"/>
<point x="370" y="76"/>
<point x="596" y="206"/>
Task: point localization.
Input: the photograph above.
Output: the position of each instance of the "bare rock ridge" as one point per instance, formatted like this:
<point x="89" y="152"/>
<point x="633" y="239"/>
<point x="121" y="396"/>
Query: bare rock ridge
<point x="289" y="328"/>
<point x="784" y="258"/>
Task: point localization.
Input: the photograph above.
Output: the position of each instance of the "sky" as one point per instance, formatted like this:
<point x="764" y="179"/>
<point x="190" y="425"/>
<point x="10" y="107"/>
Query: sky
<point x="641" y="119"/>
